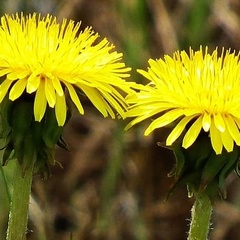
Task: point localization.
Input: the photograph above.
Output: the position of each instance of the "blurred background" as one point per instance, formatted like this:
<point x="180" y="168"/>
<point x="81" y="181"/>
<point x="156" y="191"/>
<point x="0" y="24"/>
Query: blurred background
<point x="113" y="184"/>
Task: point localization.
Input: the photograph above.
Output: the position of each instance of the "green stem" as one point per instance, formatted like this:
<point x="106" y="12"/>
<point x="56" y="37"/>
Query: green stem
<point x="201" y="216"/>
<point x="18" y="217"/>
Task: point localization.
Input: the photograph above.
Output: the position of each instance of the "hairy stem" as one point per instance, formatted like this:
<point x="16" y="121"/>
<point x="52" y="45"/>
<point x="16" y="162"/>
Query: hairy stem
<point x="18" y="217"/>
<point x="201" y="216"/>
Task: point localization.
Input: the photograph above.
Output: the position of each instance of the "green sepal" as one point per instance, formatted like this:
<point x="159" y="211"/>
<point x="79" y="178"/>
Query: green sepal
<point x="8" y="151"/>
<point x="62" y="143"/>
<point x="28" y="152"/>
<point x="197" y="154"/>
<point x="192" y="181"/>
<point x="42" y="165"/>
<point x="233" y="159"/>
<point x="180" y="161"/>
<point x="5" y="117"/>
<point x="201" y="169"/>
<point x="212" y="167"/>
<point x="177" y="170"/>
<point x="36" y="129"/>
<point x="51" y="132"/>
<point x="189" y="163"/>
<point x="21" y="121"/>
<point x="23" y="136"/>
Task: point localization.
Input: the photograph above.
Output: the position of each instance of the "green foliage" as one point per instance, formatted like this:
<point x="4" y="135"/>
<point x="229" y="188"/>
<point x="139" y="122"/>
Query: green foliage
<point x="196" y="31"/>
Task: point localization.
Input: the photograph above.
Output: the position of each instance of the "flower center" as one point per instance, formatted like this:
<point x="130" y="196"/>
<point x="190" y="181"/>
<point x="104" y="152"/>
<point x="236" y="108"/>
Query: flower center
<point x="42" y="77"/>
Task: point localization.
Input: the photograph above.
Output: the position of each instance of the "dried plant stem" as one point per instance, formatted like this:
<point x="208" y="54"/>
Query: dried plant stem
<point x="18" y="217"/>
<point x="111" y="177"/>
<point x="201" y="216"/>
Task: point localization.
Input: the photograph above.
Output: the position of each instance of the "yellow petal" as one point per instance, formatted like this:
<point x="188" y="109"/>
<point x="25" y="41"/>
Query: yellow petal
<point x="233" y="129"/>
<point x="60" y="109"/>
<point x="50" y="93"/>
<point x="57" y="86"/>
<point x="147" y="114"/>
<point x="144" y="73"/>
<point x="206" y="122"/>
<point x="4" y="71"/>
<point x="33" y="83"/>
<point x="219" y="122"/>
<point x="17" y="75"/>
<point x="40" y="103"/>
<point x="111" y="100"/>
<point x="177" y="131"/>
<point x="216" y="139"/>
<point x="4" y="88"/>
<point x="96" y="98"/>
<point x="74" y="97"/>
<point x="227" y="140"/>
<point x="164" y="120"/>
<point x="192" y="133"/>
<point x="17" y="89"/>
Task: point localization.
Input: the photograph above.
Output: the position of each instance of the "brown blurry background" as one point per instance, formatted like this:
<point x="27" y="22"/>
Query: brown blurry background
<point x="113" y="184"/>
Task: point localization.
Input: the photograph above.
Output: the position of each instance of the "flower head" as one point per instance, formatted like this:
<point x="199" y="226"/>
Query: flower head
<point x="193" y="92"/>
<point x="44" y="66"/>
<point x="46" y="60"/>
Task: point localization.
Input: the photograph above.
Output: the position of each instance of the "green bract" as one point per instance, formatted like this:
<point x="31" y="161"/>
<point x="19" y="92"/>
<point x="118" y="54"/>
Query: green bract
<point x="23" y="137"/>
<point x="201" y="169"/>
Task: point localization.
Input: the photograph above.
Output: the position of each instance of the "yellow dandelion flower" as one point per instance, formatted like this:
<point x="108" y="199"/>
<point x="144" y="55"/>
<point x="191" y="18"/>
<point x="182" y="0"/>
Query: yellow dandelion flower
<point x="45" y="59"/>
<point x="194" y="92"/>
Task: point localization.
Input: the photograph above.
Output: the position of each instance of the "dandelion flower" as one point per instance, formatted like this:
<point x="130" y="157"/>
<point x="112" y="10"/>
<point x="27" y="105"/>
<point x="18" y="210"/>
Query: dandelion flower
<point x="194" y="92"/>
<point x="48" y="60"/>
